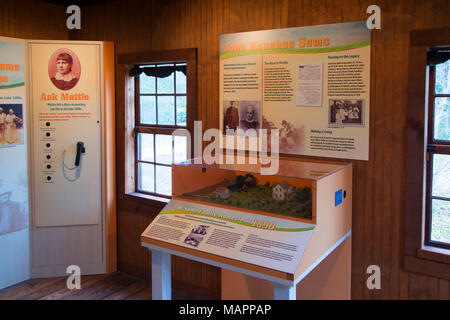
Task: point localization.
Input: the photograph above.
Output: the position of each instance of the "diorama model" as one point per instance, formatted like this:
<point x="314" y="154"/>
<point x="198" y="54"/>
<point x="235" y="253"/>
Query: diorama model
<point x="244" y="192"/>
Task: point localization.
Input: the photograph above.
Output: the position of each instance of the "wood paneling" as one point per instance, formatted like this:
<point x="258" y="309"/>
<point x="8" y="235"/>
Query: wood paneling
<point x="30" y="19"/>
<point x="379" y="184"/>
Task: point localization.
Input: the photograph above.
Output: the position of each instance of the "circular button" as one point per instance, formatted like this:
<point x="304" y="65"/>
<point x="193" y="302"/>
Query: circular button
<point x="49" y="157"/>
<point x="48" y="145"/>
<point x="49" y="166"/>
<point x="47" y="124"/>
<point x="47" y="134"/>
<point x="49" y="178"/>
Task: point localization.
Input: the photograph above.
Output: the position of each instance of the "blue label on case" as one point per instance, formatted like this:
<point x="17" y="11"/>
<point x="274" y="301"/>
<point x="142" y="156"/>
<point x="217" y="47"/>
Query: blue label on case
<point x="338" y="197"/>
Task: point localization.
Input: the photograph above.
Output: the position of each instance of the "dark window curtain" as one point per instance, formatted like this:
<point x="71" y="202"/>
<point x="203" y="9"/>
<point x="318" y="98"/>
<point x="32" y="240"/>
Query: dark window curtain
<point x="437" y="56"/>
<point x="159" y="72"/>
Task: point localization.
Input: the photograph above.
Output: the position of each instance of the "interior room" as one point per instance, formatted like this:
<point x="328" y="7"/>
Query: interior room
<point x="225" y="150"/>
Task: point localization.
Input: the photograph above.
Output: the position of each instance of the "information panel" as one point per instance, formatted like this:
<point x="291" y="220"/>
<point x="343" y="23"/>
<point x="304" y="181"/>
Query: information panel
<point x="14" y="208"/>
<point x="13" y="149"/>
<point x="256" y="239"/>
<point x="65" y="104"/>
<point x="310" y="83"/>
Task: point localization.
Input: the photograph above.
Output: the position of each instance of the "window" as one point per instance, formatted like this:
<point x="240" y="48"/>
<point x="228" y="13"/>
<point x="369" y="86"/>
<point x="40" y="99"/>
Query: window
<point x="160" y="96"/>
<point x="437" y="219"/>
<point x="160" y="109"/>
<point x="427" y="197"/>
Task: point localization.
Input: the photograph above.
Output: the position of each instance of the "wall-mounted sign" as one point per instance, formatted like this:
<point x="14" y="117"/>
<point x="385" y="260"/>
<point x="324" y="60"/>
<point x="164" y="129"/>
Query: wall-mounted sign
<point x="311" y="83"/>
<point x="66" y="115"/>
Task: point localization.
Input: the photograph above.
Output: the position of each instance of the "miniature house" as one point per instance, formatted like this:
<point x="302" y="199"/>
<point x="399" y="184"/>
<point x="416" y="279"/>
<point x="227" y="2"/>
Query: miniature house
<point x="222" y="193"/>
<point x="282" y="191"/>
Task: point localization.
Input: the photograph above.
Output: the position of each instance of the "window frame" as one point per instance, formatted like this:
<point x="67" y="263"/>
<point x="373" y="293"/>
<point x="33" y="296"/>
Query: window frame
<point x="126" y="123"/>
<point x="154" y="128"/>
<point x="419" y="256"/>
<point x="434" y="147"/>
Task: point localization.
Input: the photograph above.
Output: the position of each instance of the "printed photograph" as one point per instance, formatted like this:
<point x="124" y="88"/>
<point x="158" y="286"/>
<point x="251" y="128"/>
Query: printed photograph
<point x="193" y="239"/>
<point x="11" y="124"/>
<point x="64" y="69"/>
<point x="346" y="113"/>
<point x="291" y="136"/>
<point x="230" y="116"/>
<point x="250" y="116"/>
<point x="200" y="229"/>
<point x="12" y="216"/>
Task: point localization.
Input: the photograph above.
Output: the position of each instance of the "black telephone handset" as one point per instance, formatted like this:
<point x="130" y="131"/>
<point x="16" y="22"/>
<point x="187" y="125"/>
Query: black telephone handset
<point x="80" y="150"/>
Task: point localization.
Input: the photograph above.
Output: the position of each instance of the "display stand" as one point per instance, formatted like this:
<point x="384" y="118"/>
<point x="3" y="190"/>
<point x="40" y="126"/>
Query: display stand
<point x="161" y="275"/>
<point x="281" y="249"/>
<point x="162" y="282"/>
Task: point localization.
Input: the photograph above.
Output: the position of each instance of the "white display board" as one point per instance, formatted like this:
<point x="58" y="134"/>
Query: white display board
<point x="14" y="208"/>
<point x="311" y="83"/>
<point x="261" y="240"/>
<point x="66" y="108"/>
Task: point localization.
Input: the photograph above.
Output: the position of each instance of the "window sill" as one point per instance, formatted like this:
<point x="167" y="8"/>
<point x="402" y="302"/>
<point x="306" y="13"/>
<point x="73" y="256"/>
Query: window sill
<point x="434" y="254"/>
<point x="429" y="261"/>
<point x="147" y="199"/>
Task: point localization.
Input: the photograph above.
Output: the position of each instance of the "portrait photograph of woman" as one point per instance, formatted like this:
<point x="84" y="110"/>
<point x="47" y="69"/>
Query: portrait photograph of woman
<point x="64" y="69"/>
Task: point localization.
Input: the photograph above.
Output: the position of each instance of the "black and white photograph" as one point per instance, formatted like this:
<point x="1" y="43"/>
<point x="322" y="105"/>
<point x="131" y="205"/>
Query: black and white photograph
<point x="193" y="239"/>
<point x="230" y="117"/>
<point x="200" y="229"/>
<point x="346" y="113"/>
<point x="250" y="115"/>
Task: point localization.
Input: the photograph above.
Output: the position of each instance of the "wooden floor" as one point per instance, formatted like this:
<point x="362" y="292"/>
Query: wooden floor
<point x="115" y="286"/>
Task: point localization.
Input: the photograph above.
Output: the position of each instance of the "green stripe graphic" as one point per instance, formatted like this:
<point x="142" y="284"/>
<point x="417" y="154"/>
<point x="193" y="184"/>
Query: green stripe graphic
<point x="231" y="220"/>
<point x="13" y="85"/>
<point x="310" y="50"/>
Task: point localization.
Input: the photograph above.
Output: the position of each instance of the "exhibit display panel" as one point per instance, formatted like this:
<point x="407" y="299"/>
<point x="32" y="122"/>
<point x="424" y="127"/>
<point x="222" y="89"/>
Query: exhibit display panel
<point x="14" y="208"/>
<point x="275" y="227"/>
<point x="311" y="83"/>
<point x="72" y="157"/>
<point x="57" y="137"/>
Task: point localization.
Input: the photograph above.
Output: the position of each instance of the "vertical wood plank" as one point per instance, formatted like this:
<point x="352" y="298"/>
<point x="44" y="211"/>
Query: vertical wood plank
<point x="443" y="289"/>
<point x="403" y="286"/>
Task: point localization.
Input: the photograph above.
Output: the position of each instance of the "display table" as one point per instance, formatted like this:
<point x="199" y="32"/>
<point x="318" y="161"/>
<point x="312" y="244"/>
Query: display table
<point x="283" y="289"/>
<point x="229" y="217"/>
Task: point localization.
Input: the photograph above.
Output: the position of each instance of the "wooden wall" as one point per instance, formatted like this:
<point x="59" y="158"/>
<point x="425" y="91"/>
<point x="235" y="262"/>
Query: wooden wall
<point x="31" y="19"/>
<point x="379" y="188"/>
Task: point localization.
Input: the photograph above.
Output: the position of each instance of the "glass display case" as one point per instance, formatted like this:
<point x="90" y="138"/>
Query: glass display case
<point x="291" y="193"/>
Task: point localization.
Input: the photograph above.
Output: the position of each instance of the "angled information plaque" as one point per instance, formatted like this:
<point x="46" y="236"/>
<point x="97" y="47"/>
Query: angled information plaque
<point x="251" y="238"/>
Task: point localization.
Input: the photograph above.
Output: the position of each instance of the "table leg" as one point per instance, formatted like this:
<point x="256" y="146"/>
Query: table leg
<point x="161" y="276"/>
<point x="284" y="292"/>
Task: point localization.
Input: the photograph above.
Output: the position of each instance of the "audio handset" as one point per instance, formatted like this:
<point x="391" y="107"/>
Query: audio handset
<point x="76" y="169"/>
<point x="80" y="149"/>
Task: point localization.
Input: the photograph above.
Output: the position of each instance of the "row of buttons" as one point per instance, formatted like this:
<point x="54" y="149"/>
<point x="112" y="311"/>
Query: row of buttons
<point x="48" y="156"/>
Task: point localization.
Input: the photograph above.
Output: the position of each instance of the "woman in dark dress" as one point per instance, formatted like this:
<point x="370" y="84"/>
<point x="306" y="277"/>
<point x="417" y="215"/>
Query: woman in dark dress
<point x="64" y="79"/>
